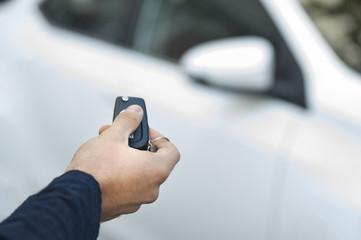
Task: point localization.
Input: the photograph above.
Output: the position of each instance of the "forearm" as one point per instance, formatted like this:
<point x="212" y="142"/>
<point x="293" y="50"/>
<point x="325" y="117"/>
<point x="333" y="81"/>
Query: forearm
<point x="68" y="208"/>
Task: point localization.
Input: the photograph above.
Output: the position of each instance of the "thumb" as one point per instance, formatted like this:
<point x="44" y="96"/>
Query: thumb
<point x="126" y="122"/>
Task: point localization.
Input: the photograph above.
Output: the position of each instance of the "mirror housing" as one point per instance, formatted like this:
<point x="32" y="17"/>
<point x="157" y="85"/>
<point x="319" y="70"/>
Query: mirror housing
<point x="244" y="63"/>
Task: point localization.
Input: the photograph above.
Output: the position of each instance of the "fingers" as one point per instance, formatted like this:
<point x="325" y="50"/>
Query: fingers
<point x="126" y="122"/>
<point x="167" y="152"/>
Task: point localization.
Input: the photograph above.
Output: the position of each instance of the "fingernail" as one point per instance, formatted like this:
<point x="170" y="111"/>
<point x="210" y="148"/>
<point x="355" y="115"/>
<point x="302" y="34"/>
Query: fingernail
<point x="134" y="108"/>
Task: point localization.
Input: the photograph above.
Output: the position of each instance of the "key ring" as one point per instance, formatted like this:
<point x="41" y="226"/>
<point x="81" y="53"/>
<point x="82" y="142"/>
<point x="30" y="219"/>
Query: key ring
<point x="152" y="147"/>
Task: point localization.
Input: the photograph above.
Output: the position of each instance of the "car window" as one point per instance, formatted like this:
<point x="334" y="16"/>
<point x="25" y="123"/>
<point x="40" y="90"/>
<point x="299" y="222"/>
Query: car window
<point x="167" y="28"/>
<point x="339" y="21"/>
<point x="110" y="20"/>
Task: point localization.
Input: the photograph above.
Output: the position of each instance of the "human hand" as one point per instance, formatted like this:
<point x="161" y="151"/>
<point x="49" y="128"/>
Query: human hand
<point x="127" y="177"/>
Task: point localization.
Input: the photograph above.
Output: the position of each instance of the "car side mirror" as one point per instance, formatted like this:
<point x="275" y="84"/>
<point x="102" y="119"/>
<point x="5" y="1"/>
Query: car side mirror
<point x="244" y="63"/>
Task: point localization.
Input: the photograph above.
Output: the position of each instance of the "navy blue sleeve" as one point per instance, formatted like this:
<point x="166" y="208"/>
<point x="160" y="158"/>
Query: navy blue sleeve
<point x="68" y="208"/>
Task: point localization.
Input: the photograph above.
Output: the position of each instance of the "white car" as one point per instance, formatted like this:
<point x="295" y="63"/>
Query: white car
<point x="265" y="115"/>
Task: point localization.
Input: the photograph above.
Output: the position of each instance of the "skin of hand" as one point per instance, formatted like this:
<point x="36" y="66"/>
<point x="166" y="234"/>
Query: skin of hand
<point x="127" y="177"/>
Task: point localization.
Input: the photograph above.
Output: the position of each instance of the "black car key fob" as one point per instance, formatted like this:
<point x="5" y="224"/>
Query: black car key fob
<point x="140" y="137"/>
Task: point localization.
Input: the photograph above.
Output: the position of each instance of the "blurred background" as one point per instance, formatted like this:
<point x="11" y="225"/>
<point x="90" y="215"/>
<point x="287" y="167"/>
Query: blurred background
<point x="262" y="98"/>
<point x="340" y="23"/>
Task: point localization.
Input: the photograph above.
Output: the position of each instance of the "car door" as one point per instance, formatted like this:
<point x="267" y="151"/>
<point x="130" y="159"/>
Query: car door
<point x="321" y="188"/>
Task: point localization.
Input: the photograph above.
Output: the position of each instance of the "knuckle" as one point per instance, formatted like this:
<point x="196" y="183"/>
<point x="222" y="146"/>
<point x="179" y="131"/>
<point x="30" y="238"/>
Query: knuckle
<point x="162" y="173"/>
<point x="177" y="155"/>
